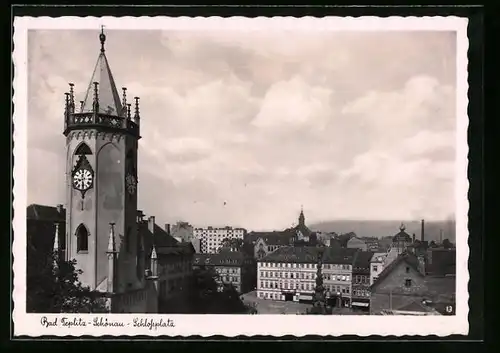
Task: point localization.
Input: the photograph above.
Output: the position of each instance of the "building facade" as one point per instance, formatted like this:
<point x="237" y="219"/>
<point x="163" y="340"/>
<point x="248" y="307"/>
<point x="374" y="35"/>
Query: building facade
<point x="377" y="264"/>
<point x="361" y="280"/>
<point x="404" y="284"/>
<point x="289" y="274"/>
<point x="267" y="242"/>
<point x="231" y="267"/>
<point x="211" y="239"/>
<point x="169" y="262"/>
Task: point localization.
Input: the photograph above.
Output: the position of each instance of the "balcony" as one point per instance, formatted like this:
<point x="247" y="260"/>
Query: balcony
<point x="102" y="122"/>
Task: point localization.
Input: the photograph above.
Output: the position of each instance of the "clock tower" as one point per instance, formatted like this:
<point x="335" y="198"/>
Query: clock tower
<point x="102" y="134"/>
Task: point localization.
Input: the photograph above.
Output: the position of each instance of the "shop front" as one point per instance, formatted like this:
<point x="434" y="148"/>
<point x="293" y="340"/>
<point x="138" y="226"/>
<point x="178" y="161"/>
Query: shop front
<point x="360" y="304"/>
<point x="336" y="300"/>
<point x="304" y="297"/>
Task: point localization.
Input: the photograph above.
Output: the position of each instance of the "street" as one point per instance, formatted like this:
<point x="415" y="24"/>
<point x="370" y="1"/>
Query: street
<point x="264" y="306"/>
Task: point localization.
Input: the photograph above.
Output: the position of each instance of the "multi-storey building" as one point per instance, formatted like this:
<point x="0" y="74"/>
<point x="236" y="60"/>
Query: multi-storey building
<point x="211" y="238"/>
<point x="172" y="260"/>
<point x="377" y="263"/>
<point x="289" y="274"/>
<point x="267" y="242"/>
<point x="361" y="280"/>
<point x="404" y="288"/>
<point x="232" y="267"/>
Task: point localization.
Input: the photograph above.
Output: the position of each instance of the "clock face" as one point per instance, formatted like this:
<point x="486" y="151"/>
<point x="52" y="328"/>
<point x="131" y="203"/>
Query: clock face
<point x="82" y="180"/>
<point x="131" y="183"/>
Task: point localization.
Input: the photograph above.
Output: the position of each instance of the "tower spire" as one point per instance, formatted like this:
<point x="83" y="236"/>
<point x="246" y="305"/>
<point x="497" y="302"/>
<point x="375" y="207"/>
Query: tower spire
<point x="302" y="218"/>
<point x="102" y="38"/>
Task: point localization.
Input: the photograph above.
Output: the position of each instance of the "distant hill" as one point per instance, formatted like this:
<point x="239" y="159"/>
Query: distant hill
<point x="381" y="229"/>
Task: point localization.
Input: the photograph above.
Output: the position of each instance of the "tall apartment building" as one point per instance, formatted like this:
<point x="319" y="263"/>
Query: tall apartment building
<point x="211" y="237"/>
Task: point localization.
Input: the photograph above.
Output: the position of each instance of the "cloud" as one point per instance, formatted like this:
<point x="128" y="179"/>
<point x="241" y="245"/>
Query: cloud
<point x="392" y="115"/>
<point x="294" y="104"/>
<point x="350" y="125"/>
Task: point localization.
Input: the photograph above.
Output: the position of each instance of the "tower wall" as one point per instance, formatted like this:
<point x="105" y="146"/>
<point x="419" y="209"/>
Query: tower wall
<point x="107" y="201"/>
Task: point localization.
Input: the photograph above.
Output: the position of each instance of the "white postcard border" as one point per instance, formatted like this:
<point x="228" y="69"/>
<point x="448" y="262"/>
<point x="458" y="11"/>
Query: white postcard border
<point x="234" y="325"/>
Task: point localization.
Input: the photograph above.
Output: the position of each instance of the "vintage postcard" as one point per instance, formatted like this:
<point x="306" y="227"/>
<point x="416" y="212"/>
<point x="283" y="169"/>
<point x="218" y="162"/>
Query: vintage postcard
<point x="237" y="176"/>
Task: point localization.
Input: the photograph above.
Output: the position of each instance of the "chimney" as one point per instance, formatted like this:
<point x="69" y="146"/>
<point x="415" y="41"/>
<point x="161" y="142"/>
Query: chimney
<point x="422" y="230"/>
<point x="59" y="208"/>
<point x="151" y="224"/>
<point x="167" y="228"/>
<point x="413" y="237"/>
<point x="140" y="216"/>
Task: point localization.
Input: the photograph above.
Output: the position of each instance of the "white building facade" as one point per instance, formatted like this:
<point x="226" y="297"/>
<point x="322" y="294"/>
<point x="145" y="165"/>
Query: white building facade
<point x="294" y="279"/>
<point x="211" y="238"/>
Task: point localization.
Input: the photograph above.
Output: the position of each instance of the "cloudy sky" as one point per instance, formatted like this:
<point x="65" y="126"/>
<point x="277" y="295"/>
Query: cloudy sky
<point x="243" y="128"/>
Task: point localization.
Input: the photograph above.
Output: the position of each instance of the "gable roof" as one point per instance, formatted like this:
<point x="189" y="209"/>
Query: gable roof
<point x="362" y="260"/>
<point x="45" y="213"/>
<point x="273" y="238"/>
<point x="405" y="257"/>
<point x="164" y="243"/>
<point x="402" y="236"/>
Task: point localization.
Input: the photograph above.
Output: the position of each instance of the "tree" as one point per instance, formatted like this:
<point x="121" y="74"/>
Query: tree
<point x="237" y="244"/>
<point x="53" y="287"/>
<point x="209" y="295"/>
<point x="447" y="244"/>
<point x="319" y="298"/>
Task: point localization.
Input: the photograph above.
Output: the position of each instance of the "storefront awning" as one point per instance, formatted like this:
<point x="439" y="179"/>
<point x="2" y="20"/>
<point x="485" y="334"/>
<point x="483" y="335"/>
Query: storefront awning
<point x="360" y="304"/>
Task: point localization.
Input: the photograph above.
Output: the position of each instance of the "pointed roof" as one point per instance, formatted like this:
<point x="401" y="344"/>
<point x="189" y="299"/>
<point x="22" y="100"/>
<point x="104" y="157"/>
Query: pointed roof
<point x="109" y="100"/>
<point x="56" y="237"/>
<point x="111" y="239"/>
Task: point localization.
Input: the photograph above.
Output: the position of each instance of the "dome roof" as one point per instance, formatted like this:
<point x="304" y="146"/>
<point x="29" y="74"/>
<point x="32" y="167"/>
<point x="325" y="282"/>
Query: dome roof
<point x="402" y="236"/>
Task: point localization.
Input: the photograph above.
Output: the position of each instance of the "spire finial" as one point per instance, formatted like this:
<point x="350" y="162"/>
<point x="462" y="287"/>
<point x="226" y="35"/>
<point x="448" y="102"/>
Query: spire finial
<point x="102" y="38"/>
<point x="136" y="113"/>
<point x="402" y="227"/>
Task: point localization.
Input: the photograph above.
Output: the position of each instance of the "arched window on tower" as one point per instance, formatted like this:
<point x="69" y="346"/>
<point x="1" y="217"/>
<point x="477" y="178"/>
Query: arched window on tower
<point x="83" y="149"/>
<point x="82" y="239"/>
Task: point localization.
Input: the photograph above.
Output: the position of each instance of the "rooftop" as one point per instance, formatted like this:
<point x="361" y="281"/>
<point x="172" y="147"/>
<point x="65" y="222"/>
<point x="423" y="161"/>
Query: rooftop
<point x="362" y="260"/>
<point x="406" y="257"/>
<point x="224" y="258"/>
<point x="45" y="213"/>
<point x="309" y="254"/>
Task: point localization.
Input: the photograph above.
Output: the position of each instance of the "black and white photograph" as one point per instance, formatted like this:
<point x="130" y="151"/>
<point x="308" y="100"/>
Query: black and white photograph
<point x="171" y="169"/>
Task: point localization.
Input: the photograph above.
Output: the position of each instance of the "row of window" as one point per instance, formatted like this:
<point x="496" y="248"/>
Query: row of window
<point x="303" y="286"/>
<point x="302" y="275"/>
<point x="300" y="265"/>
<point x="230" y="278"/>
<point x="361" y="279"/>
<point x="361" y="293"/>
<point x="275" y="296"/>
<point x="227" y="270"/>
